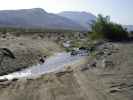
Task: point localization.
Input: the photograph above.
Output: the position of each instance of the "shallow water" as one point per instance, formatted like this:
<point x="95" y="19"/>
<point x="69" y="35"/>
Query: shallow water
<point x="53" y="63"/>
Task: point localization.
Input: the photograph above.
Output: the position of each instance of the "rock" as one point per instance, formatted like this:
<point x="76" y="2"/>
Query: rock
<point x="99" y="54"/>
<point x="59" y="74"/>
<point x="114" y="90"/>
<point x="42" y="59"/>
<point x="92" y="48"/>
<point x="14" y="80"/>
<point x="93" y="64"/>
<point x="21" y="44"/>
<point x="7" y="52"/>
<point x="84" y="68"/>
<point x="4" y="36"/>
<point x="66" y="45"/>
<point x="74" y="53"/>
<point x="109" y="53"/>
<point x="3" y="80"/>
<point x="82" y="48"/>
<point x="107" y="63"/>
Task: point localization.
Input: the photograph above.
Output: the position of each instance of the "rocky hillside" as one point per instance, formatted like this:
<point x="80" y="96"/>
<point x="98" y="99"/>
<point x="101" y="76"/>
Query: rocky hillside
<point x="106" y="76"/>
<point x="83" y="18"/>
<point x="39" y="18"/>
<point x="36" y="18"/>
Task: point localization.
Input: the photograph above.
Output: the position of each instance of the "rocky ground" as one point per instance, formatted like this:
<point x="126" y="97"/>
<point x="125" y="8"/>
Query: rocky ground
<point x="106" y="76"/>
<point x="27" y="51"/>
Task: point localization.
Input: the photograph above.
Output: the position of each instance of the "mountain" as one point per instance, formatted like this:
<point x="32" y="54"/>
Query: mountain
<point x="39" y="18"/>
<point x="83" y="18"/>
<point x="36" y="18"/>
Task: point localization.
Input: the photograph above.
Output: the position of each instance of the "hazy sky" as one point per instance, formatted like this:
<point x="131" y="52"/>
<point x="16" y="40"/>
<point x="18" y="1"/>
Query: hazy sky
<point x="120" y="11"/>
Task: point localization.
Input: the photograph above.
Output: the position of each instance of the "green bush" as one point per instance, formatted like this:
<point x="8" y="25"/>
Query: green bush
<point x="104" y="28"/>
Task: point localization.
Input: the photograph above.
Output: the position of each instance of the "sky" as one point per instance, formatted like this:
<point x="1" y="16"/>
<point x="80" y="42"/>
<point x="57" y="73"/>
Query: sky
<point x="121" y="11"/>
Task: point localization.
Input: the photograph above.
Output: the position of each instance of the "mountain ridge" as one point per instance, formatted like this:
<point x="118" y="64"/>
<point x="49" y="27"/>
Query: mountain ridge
<point x="36" y="18"/>
<point x="83" y="18"/>
<point x="39" y="18"/>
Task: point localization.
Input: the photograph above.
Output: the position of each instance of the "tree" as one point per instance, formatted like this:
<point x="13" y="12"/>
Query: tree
<point x="104" y="28"/>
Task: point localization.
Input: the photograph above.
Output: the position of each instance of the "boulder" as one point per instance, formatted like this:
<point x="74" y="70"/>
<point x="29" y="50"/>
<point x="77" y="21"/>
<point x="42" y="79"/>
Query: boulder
<point x="107" y="64"/>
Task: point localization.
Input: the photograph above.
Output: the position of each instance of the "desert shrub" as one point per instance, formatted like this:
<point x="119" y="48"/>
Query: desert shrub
<point x="104" y="28"/>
